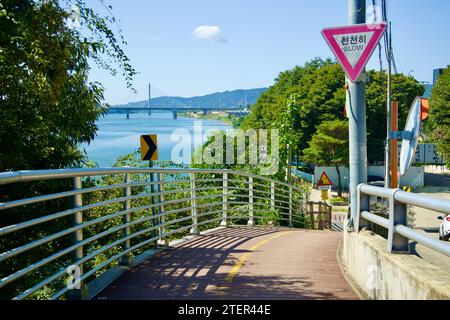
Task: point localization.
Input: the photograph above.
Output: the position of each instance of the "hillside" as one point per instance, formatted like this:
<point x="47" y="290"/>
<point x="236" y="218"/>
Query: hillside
<point x="224" y="100"/>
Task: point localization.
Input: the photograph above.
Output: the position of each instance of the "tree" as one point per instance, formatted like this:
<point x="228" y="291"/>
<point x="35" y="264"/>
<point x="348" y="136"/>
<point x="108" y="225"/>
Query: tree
<point x="300" y="100"/>
<point x="47" y="108"/>
<point x="315" y="92"/>
<point x="47" y="104"/>
<point x="404" y="90"/>
<point x="438" y="124"/>
<point x="329" y="146"/>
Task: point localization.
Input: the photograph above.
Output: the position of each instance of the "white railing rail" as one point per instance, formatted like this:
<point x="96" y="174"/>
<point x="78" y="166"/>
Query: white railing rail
<point x="398" y="232"/>
<point x="143" y="212"/>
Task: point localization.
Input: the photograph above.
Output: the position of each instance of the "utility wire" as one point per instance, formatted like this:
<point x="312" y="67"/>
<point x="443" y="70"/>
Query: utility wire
<point x="374" y="6"/>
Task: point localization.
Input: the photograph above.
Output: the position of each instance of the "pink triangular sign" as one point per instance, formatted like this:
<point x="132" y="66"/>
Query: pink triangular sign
<point x="353" y="45"/>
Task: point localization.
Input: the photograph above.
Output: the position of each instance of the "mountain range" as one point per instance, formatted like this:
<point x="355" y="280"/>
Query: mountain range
<point x="221" y="100"/>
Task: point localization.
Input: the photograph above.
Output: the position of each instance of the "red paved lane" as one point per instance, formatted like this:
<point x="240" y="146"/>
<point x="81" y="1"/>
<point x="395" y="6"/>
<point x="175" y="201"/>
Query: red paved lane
<point x="240" y="263"/>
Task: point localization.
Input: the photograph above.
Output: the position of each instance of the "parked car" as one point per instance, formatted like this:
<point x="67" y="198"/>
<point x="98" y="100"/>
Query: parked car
<point x="375" y="181"/>
<point x="444" y="228"/>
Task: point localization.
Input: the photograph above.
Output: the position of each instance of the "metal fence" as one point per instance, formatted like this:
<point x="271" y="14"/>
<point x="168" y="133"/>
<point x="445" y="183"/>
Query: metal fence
<point x="399" y="234"/>
<point x="107" y="219"/>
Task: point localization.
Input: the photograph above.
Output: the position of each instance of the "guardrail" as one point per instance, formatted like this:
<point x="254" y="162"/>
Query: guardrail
<point x="398" y="232"/>
<point x="117" y="217"/>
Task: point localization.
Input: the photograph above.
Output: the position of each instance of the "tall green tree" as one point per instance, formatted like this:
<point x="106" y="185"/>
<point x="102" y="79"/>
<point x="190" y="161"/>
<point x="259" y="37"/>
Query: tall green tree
<point x="48" y="106"/>
<point x="438" y="124"/>
<point x="329" y="146"/>
<point x="404" y="90"/>
<point x="315" y="92"/>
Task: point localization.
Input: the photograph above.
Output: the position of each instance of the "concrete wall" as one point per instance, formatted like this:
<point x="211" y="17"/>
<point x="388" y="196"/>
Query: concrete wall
<point x="382" y="276"/>
<point x="414" y="177"/>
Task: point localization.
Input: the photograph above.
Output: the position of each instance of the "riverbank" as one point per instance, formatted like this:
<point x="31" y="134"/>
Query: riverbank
<point x="218" y="116"/>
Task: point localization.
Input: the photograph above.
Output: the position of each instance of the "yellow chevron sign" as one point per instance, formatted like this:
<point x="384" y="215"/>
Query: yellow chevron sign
<point x="149" y="147"/>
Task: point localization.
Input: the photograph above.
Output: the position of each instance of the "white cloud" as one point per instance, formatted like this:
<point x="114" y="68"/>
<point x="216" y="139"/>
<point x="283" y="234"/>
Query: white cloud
<point x="210" y="33"/>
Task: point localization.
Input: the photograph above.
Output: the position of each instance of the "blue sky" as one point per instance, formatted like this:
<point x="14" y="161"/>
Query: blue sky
<point x="247" y="43"/>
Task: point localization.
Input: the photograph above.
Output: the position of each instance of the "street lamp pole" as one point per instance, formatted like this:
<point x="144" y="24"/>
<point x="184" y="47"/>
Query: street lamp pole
<point x="357" y="118"/>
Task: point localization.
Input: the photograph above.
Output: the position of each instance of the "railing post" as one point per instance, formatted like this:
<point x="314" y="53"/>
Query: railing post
<point x="398" y="214"/>
<point x="79" y="292"/>
<point x="250" y="222"/>
<point x="162" y="241"/>
<point x="126" y="260"/>
<point x="194" y="229"/>
<point x="320" y="216"/>
<point x="224" y="221"/>
<point x="330" y="213"/>
<point x="311" y="214"/>
<point x="272" y="195"/>
<point x="290" y="207"/>
<point x="363" y="204"/>
<point x="304" y="209"/>
<point x="304" y="204"/>
<point x="152" y="199"/>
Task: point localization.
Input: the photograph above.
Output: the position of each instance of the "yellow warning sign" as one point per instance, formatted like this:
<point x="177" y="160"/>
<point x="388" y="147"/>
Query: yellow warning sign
<point x="149" y="147"/>
<point x="324" y="181"/>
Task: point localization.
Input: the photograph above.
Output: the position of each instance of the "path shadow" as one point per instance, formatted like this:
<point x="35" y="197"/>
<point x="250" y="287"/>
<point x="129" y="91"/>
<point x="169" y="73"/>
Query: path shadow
<point x="189" y="271"/>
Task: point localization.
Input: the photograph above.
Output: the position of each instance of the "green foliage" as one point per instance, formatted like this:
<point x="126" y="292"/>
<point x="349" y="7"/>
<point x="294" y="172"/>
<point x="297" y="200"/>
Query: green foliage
<point x="329" y="145"/>
<point x="438" y="125"/>
<point x="404" y="90"/>
<point x="304" y="97"/>
<point x="47" y="105"/>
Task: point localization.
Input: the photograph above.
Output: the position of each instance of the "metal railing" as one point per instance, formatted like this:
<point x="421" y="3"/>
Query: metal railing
<point x="116" y="217"/>
<point x="399" y="234"/>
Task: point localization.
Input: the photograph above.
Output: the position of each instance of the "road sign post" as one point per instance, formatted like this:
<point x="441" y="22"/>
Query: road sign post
<point x="324" y="195"/>
<point x="149" y="151"/>
<point x="353" y="46"/>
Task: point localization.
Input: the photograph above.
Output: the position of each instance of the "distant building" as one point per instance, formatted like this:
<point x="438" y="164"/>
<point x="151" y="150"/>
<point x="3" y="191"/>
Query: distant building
<point x="429" y="86"/>
<point x="437" y="73"/>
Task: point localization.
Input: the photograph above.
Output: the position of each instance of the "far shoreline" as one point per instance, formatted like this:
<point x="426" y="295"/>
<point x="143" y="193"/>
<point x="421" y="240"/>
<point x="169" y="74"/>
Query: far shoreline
<point x="215" y="115"/>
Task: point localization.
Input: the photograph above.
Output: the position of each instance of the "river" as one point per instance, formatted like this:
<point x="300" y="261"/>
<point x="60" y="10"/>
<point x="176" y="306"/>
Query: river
<point x="117" y="136"/>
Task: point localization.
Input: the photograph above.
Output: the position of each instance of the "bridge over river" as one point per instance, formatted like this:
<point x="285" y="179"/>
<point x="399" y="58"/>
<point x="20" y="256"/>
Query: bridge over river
<point x="152" y="233"/>
<point x="175" y="111"/>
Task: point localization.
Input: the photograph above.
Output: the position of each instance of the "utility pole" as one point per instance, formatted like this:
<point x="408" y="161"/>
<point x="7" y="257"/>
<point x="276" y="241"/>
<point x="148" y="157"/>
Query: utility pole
<point x="394" y="146"/>
<point x="357" y="118"/>
<point x="387" y="157"/>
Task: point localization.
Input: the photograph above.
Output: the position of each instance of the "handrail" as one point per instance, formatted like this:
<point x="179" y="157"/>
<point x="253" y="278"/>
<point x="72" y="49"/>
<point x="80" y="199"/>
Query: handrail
<point x="399" y="233"/>
<point x="33" y="175"/>
<point x="123" y="219"/>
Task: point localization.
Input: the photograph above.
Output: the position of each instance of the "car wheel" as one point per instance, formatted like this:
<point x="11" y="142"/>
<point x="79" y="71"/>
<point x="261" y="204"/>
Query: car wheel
<point x="446" y="238"/>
